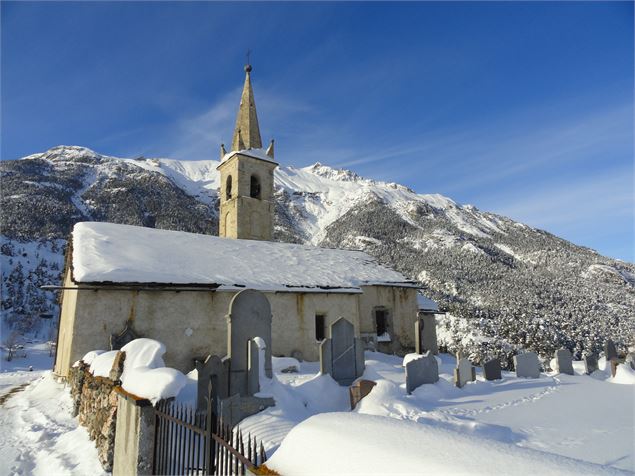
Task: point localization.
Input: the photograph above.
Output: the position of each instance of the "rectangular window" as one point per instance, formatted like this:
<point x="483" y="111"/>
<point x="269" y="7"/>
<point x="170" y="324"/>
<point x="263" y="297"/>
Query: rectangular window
<point x="320" y="331"/>
<point x="380" y="321"/>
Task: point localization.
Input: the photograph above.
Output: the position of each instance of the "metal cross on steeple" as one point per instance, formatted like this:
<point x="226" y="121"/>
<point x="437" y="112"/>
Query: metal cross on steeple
<point x="248" y="54"/>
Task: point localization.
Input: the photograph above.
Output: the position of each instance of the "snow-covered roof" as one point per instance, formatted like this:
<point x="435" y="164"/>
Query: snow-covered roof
<point x="426" y="304"/>
<point x="255" y="153"/>
<point x="110" y="253"/>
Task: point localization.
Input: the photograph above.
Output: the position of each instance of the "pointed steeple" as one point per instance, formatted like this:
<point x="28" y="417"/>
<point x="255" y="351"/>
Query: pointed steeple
<point x="246" y="131"/>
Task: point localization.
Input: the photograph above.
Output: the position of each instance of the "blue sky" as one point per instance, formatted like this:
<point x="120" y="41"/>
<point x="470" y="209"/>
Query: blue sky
<point x="524" y="109"/>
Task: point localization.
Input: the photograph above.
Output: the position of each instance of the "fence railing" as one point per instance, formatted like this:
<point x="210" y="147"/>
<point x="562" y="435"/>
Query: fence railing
<point x="189" y="442"/>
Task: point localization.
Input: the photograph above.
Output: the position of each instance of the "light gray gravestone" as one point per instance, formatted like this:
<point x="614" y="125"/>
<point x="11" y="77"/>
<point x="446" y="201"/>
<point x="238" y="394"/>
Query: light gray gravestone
<point x="464" y="372"/>
<point x="527" y="365"/>
<point x="326" y="359"/>
<point x="253" y="372"/>
<point x="426" y="334"/>
<point x="342" y="356"/>
<point x="564" y="361"/>
<point x="233" y="409"/>
<point x="590" y="363"/>
<point x="211" y="368"/>
<point x="610" y="352"/>
<point x="421" y="371"/>
<point x="630" y="359"/>
<point x="249" y="316"/>
<point x="492" y="369"/>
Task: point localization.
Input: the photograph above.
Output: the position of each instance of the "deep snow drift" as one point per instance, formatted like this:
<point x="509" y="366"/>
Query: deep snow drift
<point x="587" y="418"/>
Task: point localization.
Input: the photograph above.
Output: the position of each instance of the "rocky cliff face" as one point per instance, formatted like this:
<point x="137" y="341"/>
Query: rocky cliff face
<point x="505" y="285"/>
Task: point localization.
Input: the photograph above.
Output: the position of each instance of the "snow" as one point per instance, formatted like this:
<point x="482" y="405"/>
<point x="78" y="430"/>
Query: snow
<point x="562" y="420"/>
<point x="102" y="363"/>
<point x="90" y="356"/>
<point x="106" y="252"/>
<point x="39" y="437"/>
<point x="255" y="153"/>
<point x="144" y="372"/>
<point x="352" y="443"/>
<point x="556" y="424"/>
<point x="426" y="304"/>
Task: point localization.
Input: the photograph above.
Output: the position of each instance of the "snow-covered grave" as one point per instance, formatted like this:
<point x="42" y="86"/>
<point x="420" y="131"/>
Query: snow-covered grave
<point x="555" y="424"/>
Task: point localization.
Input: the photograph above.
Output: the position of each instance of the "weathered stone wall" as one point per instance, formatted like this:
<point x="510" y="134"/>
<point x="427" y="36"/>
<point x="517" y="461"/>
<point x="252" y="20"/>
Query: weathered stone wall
<point x="76" y="377"/>
<point x="95" y="403"/>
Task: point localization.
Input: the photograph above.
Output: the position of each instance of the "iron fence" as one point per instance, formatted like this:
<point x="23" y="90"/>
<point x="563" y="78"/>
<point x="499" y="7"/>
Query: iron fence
<point x="190" y="442"/>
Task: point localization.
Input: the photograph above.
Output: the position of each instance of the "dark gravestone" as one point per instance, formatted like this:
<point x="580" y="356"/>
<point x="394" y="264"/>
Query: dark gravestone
<point x="421" y="371"/>
<point x="610" y="352"/>
<point x="359" y="390"/>
<point x="343" y="351"/>
<point x="426" y="334"/>
<point x="117" y="341"/>
<point x="492" y="369"/>
<point x="215" y="369"/>
<point x="590" y="363"/>
<point x="564" y="361"/>
<point x="527" y="365"/>
<point x="249" y="316"/>
<point x="342" y="356"/>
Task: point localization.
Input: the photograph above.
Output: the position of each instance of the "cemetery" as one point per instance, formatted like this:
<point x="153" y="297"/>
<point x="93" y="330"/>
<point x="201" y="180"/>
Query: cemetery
<point x="233" y="411"/>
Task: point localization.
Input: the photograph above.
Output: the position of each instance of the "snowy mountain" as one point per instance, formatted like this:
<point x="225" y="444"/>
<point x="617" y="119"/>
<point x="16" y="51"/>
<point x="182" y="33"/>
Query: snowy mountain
<point x="506" y="285"/>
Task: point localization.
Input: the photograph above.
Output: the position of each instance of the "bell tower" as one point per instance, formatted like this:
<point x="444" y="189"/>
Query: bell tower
<point x="246" y="173"/>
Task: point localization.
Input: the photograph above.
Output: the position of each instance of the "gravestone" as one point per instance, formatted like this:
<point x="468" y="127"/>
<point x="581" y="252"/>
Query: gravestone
<point x="464" y="372"/>
<point x="213" y="368"/>
<point x="564" y="361"/>
<point x="253" y="370"/>
<point x="249" y="317"/>
<point x="233" y="409"/>
<point x="421" y="371"/>
<point x="342" y="355"/>
<point x="610" y="352"/>
<point x="590" y="363"/>
<point x="527" y="365"/>
<point x="426" y="334"/>
<point x="630" y="360"/>
<point x="128" y="334"/>
<point x="492" y="369"/>
<point x="359" y="390"/>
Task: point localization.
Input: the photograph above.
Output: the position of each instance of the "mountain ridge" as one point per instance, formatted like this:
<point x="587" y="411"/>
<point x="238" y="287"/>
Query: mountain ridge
<point x="507" y="285"/>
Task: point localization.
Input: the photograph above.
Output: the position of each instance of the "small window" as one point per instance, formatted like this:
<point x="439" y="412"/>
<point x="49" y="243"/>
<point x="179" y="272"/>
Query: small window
<point x="381" y="321"/>
<point x="228" y="188"/>
<point x="254" y="189"/>
<point x="320" y="331"/>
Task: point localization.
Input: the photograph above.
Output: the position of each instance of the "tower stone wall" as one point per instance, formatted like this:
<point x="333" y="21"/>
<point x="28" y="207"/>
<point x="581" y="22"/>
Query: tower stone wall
<point x="244" y="216"/>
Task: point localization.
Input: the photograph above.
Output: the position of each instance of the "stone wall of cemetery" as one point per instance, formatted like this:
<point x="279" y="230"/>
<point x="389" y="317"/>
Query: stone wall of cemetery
<point x="95" y="401"/>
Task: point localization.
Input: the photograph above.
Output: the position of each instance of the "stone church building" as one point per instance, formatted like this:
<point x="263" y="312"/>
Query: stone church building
<point x="176" y="287"/>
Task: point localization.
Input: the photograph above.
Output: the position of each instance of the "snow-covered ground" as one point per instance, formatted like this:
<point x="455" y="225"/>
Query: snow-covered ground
<point x="587" y="418"/>
<point x="557" y="424"/>
<point x="39" y="436"/>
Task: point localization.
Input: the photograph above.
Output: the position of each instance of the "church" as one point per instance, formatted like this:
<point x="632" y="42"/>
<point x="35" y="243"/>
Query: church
<point x="176" y="287"/>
